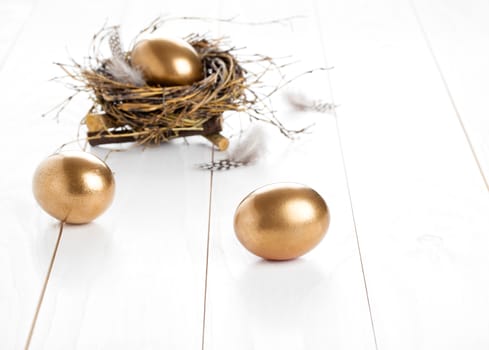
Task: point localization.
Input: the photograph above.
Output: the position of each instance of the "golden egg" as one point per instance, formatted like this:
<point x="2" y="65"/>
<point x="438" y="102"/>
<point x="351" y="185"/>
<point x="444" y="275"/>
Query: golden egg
<point x="281" y="221"/>
<point x="73" y="186"/>
<point x="167" y="62"/>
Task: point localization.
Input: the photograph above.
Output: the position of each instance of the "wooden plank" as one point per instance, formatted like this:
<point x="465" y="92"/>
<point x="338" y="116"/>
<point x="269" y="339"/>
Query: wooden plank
<point x="419" y="201"/>
<point x="132" y="279"/>
<point x="26" y="245"/>
<point x="28" y="236"/>
<point x="457" y="36"/>
<point x="317" y="301"/>
<point x="15" y="15"/>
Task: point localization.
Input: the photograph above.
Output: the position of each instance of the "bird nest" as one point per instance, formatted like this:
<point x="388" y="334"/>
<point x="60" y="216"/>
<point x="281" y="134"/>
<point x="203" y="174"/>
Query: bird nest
<point x="124" y="111"/>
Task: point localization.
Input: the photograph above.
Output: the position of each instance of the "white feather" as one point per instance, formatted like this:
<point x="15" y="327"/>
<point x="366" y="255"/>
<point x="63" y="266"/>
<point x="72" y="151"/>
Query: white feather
<point x="118" y="67"/>
<point x="250" y="147"/>
<point x="246" y="152"/>
<point x="302" y="103"/>
<point x="122" y="72"/>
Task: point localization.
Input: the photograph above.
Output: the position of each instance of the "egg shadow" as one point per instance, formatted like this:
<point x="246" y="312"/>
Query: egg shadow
<point x="275" y="293"/>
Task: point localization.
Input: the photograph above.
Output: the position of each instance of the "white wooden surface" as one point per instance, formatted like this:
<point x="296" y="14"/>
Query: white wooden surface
<point x="401" y="165"/>
<point x="420" y="203"/>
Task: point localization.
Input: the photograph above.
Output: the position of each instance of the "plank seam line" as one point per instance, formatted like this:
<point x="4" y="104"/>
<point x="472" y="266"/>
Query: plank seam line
<point x="209" y="214"/>
<point x="44" y="287"/>
<point x="449" y="93"/>
<point x="211" y="190"/>
<point x="17" y="35"/>
<point x="345" y="172"/>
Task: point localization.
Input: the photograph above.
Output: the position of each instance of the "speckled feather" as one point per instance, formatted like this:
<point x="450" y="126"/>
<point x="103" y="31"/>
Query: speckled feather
<point x="246" y="152"/>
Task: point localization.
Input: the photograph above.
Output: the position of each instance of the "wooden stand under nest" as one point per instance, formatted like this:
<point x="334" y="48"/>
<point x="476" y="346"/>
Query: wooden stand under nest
<point x="101" y="130"/>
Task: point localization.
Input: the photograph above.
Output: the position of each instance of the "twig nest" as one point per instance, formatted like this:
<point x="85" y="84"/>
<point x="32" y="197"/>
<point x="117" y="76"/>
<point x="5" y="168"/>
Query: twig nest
<point x="162" y="89"/>
<point x="167" y="62"/>
<point x="156" y="113"/>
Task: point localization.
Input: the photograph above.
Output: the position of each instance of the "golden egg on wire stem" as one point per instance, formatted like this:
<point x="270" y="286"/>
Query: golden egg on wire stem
<point x="167" y="62"/>
<point x="74" y="187"/>
<point x="281" y="221"/>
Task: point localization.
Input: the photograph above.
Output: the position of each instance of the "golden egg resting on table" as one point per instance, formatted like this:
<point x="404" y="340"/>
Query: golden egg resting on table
<point x="281" y="221"/>
<point x="73" y="186"/>
<point x="167" y="62"/>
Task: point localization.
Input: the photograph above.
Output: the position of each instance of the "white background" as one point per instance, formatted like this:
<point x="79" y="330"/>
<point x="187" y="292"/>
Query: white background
<point x="401" y="164"/>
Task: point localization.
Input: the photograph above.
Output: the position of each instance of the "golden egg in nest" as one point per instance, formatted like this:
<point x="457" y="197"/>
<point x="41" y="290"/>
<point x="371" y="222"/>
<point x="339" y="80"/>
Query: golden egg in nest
<point x="281" y="221"/>
<point x="73" y="186"/>
<point x="167" y="62"/>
